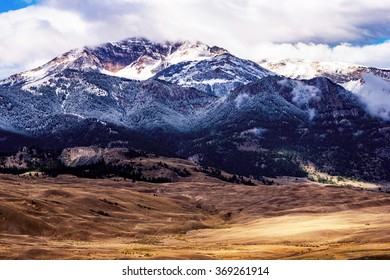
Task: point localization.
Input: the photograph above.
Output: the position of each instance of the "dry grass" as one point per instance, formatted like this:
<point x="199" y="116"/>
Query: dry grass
<point x="199" y="218"/>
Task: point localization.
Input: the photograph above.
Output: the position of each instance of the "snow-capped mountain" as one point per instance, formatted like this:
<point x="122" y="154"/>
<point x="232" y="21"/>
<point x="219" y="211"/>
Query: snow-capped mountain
<point x="371" y="85"/>
<point x="92" y="95"/>
<point x="147" y="65"/>
<point x="215" y="75"/>
<point x="209" y="69"/>
<point x="197" y="101"/>
<point x="134" y="58"/>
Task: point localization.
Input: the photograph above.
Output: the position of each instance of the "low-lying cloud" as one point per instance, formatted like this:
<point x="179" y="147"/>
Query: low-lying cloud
<point x="375" y="94"/>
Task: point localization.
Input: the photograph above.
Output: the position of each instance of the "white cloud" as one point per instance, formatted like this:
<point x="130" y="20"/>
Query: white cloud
<point x="37" y="34"/>
<point x="375" y="94"/>
<point x="303" y="94"/>
<point x="248" y="28"/>
<point x="377" y="55"/>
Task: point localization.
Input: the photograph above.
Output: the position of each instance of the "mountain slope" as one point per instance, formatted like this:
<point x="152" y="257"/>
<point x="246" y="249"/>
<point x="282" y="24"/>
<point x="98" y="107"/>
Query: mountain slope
<point x="371" y="85"/>
<point x="216" y="75"/>
<point x="91" y="95"/>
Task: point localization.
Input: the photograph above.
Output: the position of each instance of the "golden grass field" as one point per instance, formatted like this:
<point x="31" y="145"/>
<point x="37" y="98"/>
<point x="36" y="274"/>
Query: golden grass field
<point x="196" y="218"/>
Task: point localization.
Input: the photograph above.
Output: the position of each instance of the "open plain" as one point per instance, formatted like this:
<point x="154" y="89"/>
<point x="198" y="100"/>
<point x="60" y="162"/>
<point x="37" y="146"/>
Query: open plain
<point x="198" y="217"/>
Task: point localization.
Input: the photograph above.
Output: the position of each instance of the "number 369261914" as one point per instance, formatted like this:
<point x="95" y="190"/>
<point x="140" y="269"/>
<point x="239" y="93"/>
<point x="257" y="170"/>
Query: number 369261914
<point x="259" y="271"/>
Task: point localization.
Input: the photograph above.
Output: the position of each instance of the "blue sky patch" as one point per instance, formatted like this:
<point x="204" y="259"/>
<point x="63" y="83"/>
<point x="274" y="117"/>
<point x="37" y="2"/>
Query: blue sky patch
<point x="11" y="5"/>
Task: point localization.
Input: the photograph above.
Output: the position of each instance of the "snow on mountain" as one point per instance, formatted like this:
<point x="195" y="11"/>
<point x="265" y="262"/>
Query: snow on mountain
<point x="371" y="85"/>
<point x="78" y="59"/>
<point x="81" y="95"/>
<point x="146" y="66"/>
<point x="258" y="103"/>
<point x="303" y="69"/>
<point x="134" y="58"/>
<point x="189" y="64"/>
<point x="276" y="102"/>
<point x="215" y="75"/>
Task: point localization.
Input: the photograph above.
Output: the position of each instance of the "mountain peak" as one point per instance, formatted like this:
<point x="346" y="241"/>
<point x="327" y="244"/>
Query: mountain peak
<point x="217" y="75"/>
<point x="132" y="58"/>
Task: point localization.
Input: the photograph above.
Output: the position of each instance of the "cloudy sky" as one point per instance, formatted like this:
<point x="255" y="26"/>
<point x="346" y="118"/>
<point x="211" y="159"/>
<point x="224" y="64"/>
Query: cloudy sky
<point x="357" y="31"/>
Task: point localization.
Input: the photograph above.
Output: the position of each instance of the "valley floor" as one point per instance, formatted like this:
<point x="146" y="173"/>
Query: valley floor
<point x="203" y="218"/>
